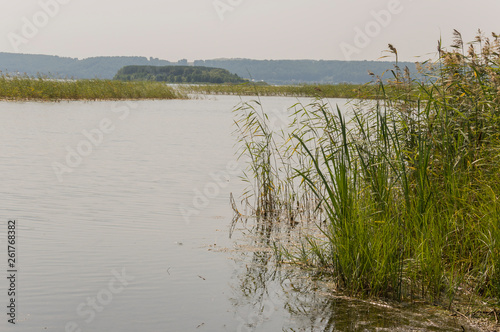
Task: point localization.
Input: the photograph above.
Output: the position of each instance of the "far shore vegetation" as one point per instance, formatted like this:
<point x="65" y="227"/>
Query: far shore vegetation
<point x="41" y="88"/>
<point x="177" y="74"/>
<point x="362" y="91"/>
<point x="46" y="89"/>
<point x="398" y="199"/>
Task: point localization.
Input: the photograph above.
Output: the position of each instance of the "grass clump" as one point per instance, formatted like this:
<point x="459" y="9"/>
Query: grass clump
<point x="46" y="89"/>
<point x="404" y="191"/>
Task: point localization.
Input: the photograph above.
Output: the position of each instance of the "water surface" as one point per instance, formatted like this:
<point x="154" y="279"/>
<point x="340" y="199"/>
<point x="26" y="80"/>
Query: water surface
<point x="123" y="220"/>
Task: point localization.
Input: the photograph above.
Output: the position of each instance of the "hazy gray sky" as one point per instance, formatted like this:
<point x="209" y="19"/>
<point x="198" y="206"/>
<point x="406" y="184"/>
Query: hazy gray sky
<point x="259" y="29"/>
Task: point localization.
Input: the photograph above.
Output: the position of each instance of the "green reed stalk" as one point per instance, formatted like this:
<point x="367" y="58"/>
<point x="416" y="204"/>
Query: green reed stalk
<point x="404" y="191"/>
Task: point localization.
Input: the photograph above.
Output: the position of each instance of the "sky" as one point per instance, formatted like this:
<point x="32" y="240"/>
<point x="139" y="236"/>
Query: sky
<point x="256" y="29"/>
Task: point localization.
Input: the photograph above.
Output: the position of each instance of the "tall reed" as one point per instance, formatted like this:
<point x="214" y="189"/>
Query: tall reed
<point x="404" y="190"/>
<point x="306" y="90"/>
<point x="43" y="88"/>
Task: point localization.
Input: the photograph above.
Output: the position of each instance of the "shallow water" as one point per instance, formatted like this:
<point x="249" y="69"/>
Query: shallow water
<point x="123" y="216"/>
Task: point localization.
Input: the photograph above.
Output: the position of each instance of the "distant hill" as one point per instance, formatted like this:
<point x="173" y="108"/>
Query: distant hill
<point x="61" y="67"/>
<point x="177" y="74"/>
<point x="305" y="71"/>
<point x="271" y="71"/>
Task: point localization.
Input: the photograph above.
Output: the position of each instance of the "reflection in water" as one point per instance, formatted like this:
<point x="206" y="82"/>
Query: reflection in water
<point x="270" y="297"/>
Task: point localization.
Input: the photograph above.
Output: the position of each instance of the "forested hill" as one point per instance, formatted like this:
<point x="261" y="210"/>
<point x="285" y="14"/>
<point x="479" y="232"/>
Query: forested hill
<point x="271" y="71"/>
<point x="61" y="67"/>
<point x="177" y="74"/>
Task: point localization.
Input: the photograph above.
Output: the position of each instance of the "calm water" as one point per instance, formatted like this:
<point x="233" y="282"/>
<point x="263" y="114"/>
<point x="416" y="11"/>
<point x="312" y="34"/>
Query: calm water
<point x="123" y="216"/>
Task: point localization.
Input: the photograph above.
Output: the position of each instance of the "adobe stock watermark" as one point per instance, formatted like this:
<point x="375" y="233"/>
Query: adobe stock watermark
<point x="210" y="190"/>
<point x="224" y="6"/>
<point x="93" y="138"/>
<point x="363" y="36"/>
<point x="48" y="9"/>
<point x="89" y="309"/>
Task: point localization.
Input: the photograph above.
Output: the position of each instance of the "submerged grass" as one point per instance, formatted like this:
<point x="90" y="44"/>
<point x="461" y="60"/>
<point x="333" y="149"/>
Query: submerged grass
<point x="45" y="89"/>
<point x="405" y="191"/>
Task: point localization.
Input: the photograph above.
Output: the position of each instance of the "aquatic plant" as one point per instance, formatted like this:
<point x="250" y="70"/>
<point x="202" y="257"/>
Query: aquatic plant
<point x="43" y="88"/>
<point x="404" y="190"/>
<point x="307" y="90"/>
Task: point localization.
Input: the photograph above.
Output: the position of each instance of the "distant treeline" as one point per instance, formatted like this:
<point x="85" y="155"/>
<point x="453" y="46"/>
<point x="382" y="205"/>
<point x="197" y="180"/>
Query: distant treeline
<point x="271" y="71"/>
<point x="306" y="71"/>
<point x="62" y="67"/>
<point x="177" y="74"/>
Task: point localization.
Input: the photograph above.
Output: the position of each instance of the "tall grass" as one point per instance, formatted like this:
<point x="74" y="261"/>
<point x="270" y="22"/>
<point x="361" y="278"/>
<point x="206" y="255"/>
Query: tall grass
<point x="405" y="190"/>
<point x="42" y="88"/>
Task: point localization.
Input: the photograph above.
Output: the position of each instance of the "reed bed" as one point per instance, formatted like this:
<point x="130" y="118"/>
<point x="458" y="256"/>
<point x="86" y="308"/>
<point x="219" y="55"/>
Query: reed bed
<point x="310" y="90"/>
<point x="403" y="193"/>
<point x="46" y="89"/>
